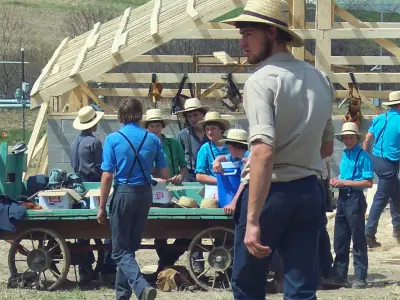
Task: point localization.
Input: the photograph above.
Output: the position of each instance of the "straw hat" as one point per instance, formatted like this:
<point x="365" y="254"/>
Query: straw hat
<point x="153" y="115"/>
<point x="193" y="104"/>
<point x="209" y="203"/>
<point x="272" y="12"/>
<point x="87" y="118"/>
<point x="349" y="128"/>
<point x="186" y="202"/>
<point x="213" y="116"/>
<point x="394" y="98"/>
<point x="236" y="136"/>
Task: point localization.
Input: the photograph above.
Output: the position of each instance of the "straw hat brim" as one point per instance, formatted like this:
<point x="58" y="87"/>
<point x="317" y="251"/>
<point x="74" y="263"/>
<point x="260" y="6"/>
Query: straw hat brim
<point x="225" y="123"/>
<point x="297" y="41"/>
<point x="205" y="108"/>
<point x="165" y="121"/>
<point x="84" y="126"/>
<point x="180" y="205"/>
<point x="339" y="137"/>
<point x="389" y="103"/>
<point x="234" y="141"/>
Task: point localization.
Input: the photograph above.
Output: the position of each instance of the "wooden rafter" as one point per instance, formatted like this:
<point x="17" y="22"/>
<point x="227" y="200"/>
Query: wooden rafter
<point x="121" y="36"/>
<point x="85" y="88"/>
<point x="89" y="43"/>
<point x="191" y="9"/>
<point x="154" y="18"/>
<point x="224" y="58"/>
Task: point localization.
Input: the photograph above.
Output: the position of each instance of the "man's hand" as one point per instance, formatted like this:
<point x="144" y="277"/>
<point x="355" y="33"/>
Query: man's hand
<point x="177" y="179"/>
<point x="102" y="216"/>
<point x="217" y="167"/>
<point x="230" y="208"/>
<point x="252" y="241"/>
<point x="338" y="183"/>
<point x="245" y="160"/>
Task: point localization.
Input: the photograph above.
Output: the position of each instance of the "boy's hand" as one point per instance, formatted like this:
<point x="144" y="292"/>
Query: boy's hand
<point x="332" y="182"/>
<point x="217" y="166"/>
<point x="229" y="209"/>
<point x="177" y="179"/>
<point x="339" y="183"/>
<point x="245" y="159"/>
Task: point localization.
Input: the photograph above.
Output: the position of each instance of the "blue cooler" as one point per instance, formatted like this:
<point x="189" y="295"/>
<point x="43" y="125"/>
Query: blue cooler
<point x="228" y="182"/>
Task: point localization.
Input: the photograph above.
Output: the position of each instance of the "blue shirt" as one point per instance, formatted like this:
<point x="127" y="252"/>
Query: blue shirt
<point x="118" y="155"/>
<point x="237" y="159"/>
<point x="362" y="171"/>
<point x="205" y="158"/>
<point x="387" y="139"/>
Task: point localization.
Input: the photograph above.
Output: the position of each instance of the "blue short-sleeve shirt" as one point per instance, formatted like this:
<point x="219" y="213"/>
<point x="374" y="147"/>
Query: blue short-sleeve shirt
<point x="386" y="130"/>
<point x="362" y="170"/>
<point x="118" y="155"/>
<point x="236" y="159"/>
<point x="206" y="156"/>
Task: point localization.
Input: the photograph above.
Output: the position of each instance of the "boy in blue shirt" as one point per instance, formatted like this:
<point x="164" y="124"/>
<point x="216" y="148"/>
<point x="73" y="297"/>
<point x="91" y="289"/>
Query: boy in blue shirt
<point x="356" y="173"/>
<point x="236" y="141"/>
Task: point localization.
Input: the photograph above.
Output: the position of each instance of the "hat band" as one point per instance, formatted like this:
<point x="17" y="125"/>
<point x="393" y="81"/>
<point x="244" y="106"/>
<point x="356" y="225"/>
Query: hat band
<point x="92" y="119"/>
<point x="350" y="131"/>
<point x="191" y="107"/>
<point x="257" y="15"/>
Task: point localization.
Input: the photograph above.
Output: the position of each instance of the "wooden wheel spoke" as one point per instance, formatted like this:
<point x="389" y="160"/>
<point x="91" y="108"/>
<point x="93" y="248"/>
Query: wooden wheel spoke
<point x="225" y="236"/>
<point x="20" y="260"/>
<point x="215" y="279"/>
<point x="54" y="247"/>
<point x="200" y="259"/>
<point x="228" y="279"/>
<point x="31" y="238"/>
<point x="203" y="248"/>
<point x="211" y="238"/>
<point x="204" y="272"/>
<point x="57" y="276"/>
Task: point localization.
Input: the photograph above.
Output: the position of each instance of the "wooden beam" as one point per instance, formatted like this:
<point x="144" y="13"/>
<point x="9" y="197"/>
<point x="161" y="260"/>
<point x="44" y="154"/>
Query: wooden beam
<point x="365" y="93"/>
<point x="143" y="92"/>
<point x="345" y="15"/>
<point x="121" y="28"/>
<point x="47" y="68"/>
<point x="84" y="50"/>
<point x="191" y="9"/>
<point x="74" y="100"/>
<point x="299" y="10"/>
<point x="366" y="60"/>
<point x="35" y="133"/>
<point x="85" y="89"/>
<point x="154" y="18"/>
<point x="39" y="146"/>
<point x="323" y="46"/>
<point x="224" y="58"/>
<point x="366" y="77"/>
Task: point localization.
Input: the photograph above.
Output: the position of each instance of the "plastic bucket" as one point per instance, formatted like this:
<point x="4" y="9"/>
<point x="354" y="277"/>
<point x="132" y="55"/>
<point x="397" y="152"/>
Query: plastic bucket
<point x="228" y="182"/>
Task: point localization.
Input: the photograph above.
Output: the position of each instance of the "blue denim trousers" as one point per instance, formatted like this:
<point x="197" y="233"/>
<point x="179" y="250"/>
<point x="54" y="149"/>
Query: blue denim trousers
<point x="129" y="211"/>
<point x="388" y="191"/>
<point x="290" y="221"/>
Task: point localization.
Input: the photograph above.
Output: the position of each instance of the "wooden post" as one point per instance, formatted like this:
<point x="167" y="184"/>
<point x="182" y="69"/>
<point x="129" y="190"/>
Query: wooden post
<point x="323" y="46"/>
<point x="75" y="100"/>
<point x="299" y="22"/>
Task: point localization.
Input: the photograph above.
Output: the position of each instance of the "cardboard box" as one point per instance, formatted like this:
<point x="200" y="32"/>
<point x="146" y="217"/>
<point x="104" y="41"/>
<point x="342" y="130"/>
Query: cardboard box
<point x="211" y="191"/>
<point x="160" y="193"/>
<point x="58" y="199"/>
<point x="94" y="197"/>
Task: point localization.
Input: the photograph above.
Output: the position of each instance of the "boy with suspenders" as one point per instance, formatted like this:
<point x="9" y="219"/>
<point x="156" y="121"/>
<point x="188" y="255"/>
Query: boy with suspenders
<point x="130" y="154"/>
<point x="356" y="173"/>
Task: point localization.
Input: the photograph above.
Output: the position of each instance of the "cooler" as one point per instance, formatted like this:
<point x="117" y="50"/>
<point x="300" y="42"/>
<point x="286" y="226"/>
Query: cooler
<point x="228" y="182"/>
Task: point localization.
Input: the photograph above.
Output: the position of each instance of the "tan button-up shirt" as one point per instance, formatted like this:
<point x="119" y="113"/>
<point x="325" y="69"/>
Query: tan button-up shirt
<point x="289" y="103"/>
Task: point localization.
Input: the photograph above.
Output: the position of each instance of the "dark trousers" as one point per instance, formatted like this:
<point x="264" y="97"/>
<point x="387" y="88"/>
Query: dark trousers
<point x="129" y="211"/>
<point x="86" y="265"/>
<point x="388" y="192"/>
<point x="350" y="224"/>
<point x="290" y="222"/>
<point x="168" y="255"/>
<point x="325" y="254"/>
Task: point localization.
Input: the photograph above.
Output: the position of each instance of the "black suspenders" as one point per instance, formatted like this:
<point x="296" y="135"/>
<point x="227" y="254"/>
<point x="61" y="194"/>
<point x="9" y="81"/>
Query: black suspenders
<point x="77" y="157"/>
<point x="355" y="164"/>
<point x="137" y="159"/>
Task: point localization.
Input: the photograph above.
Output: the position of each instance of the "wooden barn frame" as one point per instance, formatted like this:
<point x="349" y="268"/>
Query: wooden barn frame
<point x="88" y="57"/>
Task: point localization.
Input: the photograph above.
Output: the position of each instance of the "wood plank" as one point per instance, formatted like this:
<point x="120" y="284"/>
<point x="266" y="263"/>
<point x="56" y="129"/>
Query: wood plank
<point x="42" y="159"/>
<point x="191" y="9"/>
<point x="345" y="15"/>
<point x="224" y="58"/>
<point x="366" y="93"/>
<point x="47" y="68"/>
<point x="323" y="45"/>
<point x="366" y="77"/>
<point x="154" y="18"/>
<point x="74" y="100"/>
<point x="39" y="146"/>
<point x="81" y="57"/>
<point x="121" y="28"/>
<point x="299" y="10"/>
<point x="85" y="89"/>
<point x="35" y="133"/>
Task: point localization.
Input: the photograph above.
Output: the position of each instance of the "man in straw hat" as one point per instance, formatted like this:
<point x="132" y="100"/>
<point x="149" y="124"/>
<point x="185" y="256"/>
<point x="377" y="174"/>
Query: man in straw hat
<point x="192" y="137"/>
<point x="356" y="174"/>
<point x="214" y="127"/>
<point x="130" y="154"/>
<point x="384" y="138"/>
<point x="86" y="157"/>
<point x="288" y="103"/>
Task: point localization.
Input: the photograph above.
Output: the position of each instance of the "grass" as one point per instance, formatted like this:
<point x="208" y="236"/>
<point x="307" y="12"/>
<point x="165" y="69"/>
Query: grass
<point x="15" y="135"/>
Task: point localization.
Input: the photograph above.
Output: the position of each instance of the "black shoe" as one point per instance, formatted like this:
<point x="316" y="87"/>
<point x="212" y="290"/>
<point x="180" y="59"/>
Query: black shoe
<point x="359" y="284"/>
<point x="149" y="293"/>
<point x="372" y="242"/>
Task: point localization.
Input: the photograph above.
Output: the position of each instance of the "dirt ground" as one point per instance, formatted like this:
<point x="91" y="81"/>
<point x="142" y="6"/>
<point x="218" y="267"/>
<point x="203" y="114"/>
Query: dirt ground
<point x="383" y="281"/>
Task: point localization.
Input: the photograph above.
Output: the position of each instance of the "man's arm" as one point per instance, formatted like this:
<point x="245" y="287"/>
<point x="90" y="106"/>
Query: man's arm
<point x="161" y="164"/>
<point x="106" y="181"/>
<point x="206" y="179"/>
<point x="369" y="140"/>
<point x="327" y="139"/>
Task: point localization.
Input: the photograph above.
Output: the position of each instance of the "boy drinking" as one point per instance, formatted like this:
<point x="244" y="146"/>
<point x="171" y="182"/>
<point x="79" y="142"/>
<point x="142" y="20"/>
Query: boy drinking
<point x="356" y="173"/>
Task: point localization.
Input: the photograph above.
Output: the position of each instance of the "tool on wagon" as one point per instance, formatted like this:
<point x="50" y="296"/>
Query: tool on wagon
<point x="232" y="98"/>
<point x="155" y="89"/>
<point x="354" y="112"/>
<point x="179" y="100"/>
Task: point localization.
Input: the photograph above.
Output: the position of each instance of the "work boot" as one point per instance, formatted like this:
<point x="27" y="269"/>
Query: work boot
<point x="372" y="242"/>
<point x="359" y="284"/>
<point x="149" y="293"/>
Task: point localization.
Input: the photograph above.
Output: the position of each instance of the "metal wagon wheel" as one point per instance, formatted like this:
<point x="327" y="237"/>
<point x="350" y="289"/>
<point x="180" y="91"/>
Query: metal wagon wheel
<point x="39" y="256"/>
<point x="216" y="244"/>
